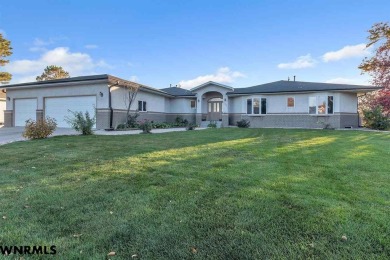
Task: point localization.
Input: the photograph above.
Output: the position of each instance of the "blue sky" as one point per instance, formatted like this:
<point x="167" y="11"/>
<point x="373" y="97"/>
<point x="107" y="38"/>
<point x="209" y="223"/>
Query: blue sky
<point x="157" y="43"/>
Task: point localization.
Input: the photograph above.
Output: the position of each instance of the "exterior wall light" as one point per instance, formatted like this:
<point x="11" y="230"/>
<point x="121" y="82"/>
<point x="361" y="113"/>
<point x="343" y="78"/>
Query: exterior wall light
<point x="8" y="98"/>
<point x="101" y="94"/>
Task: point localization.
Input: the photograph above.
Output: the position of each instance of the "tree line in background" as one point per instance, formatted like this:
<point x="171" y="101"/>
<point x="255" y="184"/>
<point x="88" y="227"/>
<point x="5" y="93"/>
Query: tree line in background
<point x="53" y="72"/>
<point x="375" y="106"/>
<point x="5" y="51"/>
<point x="50" y="72"/>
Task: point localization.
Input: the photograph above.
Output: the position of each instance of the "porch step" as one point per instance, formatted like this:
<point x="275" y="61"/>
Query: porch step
<point x="206" y="123"/>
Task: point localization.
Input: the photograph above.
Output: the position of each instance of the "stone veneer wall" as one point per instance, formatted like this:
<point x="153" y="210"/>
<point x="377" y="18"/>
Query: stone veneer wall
<point x="298" y="121"/>
<point x="119" y="117"/>
<point x="225" y="120"/>
<point x="103" y="118"/>
<point x="8" y="118"/>
<point x="39" y="114"/>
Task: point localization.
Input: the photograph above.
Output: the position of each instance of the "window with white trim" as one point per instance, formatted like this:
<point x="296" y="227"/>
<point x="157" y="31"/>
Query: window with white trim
<point x="141" y="105"/>
<point x="193" y="104"/>
<point x="256" y="106"/>
<point x="321" y="105"/>
<point x="290" y="102"/>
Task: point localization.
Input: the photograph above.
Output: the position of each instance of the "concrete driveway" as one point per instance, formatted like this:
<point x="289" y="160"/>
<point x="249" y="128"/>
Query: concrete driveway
<point x="13" y="134"/>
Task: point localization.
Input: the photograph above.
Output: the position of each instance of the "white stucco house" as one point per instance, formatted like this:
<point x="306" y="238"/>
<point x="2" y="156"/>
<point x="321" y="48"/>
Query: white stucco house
<point x="276" y="104"/>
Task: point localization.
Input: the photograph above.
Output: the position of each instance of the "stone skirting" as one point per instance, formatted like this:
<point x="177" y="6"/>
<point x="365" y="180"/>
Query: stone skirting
<point x="39" y="114"/>
<point x="8" y="118"/>
<point x="119" y="117"/>
<point x="103" y="118"/>
<point x="225" y="120"/>
<point x="337" y="120"/>
<point x="298" y="121"/>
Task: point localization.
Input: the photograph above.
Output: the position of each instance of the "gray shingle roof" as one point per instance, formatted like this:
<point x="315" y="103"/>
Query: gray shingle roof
<point x="175" y="91"/>
<point x="297" y="86"/>
<point x="72" y="79"/>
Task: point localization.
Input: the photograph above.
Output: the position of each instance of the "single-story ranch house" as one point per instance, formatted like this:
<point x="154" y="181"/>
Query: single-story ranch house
<point x="275" y="104"/>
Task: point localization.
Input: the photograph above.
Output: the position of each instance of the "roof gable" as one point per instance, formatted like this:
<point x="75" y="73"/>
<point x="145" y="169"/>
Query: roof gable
<point x="212" y="83"/>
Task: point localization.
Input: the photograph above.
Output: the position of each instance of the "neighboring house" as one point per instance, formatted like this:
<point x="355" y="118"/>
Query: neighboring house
<point x="276" y="104"/>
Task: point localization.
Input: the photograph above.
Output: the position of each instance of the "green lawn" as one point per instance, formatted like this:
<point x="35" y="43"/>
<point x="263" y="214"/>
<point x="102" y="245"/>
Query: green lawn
<point x="215" y="194"/>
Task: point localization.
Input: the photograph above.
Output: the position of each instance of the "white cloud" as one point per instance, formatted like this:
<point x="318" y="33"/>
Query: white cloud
<point x="348" y="51"/>
<point x="76" y="63"/>
<point x="222" y="75"/>
<point x="134" y="78"/>
<point x="341" y="80"/>
<point x="301" y="62"/>
<point x="41" y="44"/>
<point x="91" y="46"/>
<point x="3" y="33"/>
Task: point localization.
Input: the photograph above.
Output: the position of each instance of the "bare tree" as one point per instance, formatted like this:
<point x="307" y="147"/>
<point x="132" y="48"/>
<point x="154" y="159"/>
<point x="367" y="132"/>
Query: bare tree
<point x="130" y="95"/>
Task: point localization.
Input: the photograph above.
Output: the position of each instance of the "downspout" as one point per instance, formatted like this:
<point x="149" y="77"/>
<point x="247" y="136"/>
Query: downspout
<point x="110" y="104"/>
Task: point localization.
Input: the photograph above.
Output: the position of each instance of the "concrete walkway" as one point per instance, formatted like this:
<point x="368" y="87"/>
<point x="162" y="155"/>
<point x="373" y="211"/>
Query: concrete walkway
<point x="13" y="134"/>
<point x="134" y="132"/>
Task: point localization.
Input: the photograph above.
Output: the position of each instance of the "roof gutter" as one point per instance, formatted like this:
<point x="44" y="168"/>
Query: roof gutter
<point x="232" y="94"/>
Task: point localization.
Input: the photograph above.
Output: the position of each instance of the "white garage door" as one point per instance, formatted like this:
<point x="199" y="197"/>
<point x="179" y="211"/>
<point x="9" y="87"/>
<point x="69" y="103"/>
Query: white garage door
<point x="25" y="109"/>
<point x="58" y="108"/>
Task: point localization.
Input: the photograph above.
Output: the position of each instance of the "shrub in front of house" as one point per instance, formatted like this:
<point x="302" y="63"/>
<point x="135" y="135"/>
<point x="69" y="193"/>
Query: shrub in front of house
<point x="376" y="119"/>
<point x="81" y="122"/>
<point x="179" y="121"/>
<point x="191" y="126"/>
<point x="162" y="125"/>
<point x="132" y="120"/>
<point x="243" y="123"/>
<point x="146" y="126"/>
<point x="212" y="125"/>
<point x="39" y="129"/>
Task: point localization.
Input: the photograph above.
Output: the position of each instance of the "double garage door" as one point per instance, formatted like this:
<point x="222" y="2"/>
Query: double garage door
<point x="55" y="107"/>
<point x="25" y="109"/>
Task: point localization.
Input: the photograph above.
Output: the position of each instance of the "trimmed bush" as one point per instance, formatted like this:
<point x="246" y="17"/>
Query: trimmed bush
<point x="243" y="123"/>
<point x="39" y="129"/>
<point x="121" y="127"/>
<point x="132" y="120"/>
<point x="212" y="125"/>
<point x="80" y="122"/>
<point x="145" y="126"/>
<point x="375" y="119"/>
<point x="191" y="126"/>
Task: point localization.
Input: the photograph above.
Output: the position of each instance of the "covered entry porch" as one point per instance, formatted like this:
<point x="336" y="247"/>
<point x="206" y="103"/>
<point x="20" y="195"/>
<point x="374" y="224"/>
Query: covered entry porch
<point x="212" y="103"/>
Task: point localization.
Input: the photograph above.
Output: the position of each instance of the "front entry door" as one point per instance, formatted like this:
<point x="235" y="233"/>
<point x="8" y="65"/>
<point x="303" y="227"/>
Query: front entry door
<point x="214" y="110"/>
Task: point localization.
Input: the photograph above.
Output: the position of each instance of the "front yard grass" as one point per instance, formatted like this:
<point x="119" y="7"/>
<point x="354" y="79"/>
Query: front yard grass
<point x="210" y="194"/>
